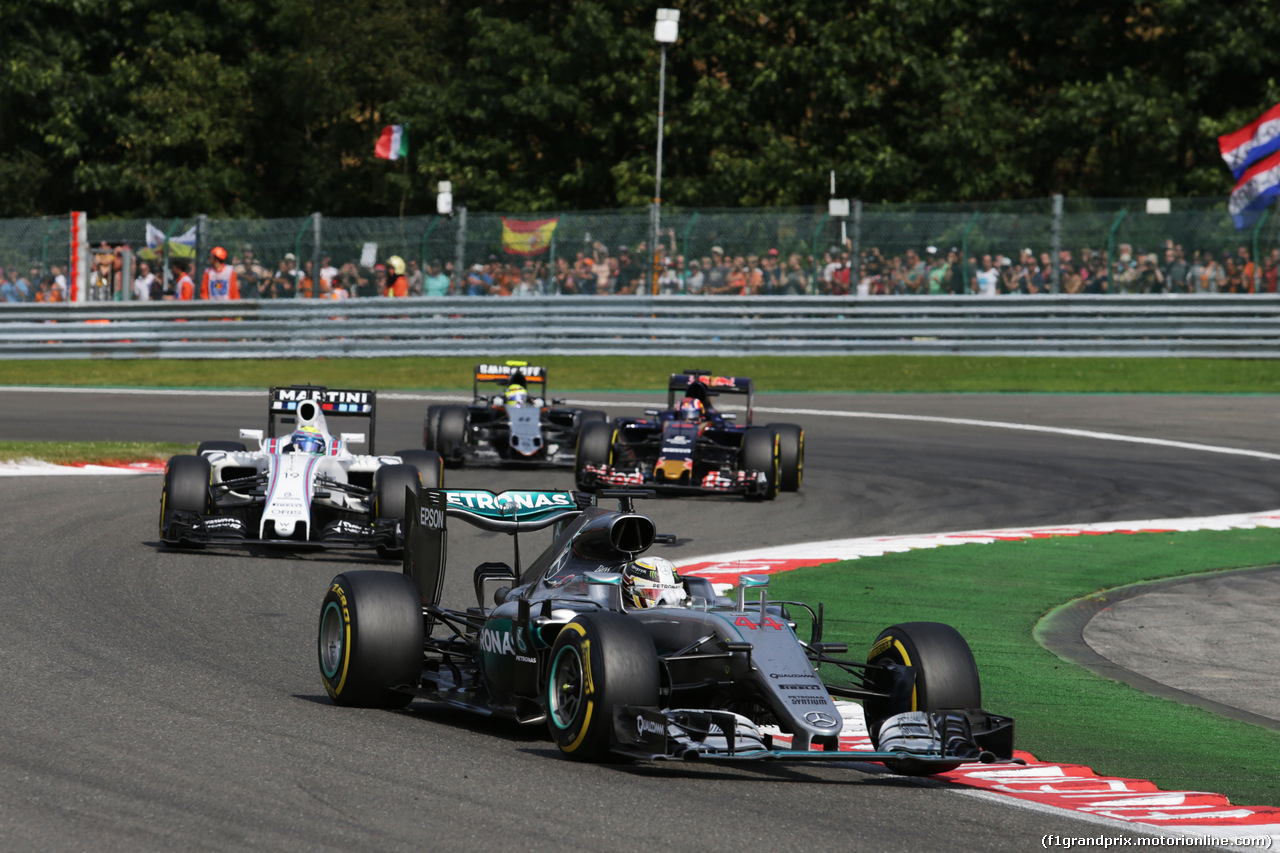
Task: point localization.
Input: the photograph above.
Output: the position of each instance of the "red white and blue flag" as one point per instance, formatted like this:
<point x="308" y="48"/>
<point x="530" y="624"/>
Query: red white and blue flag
<point x="1251" y="143"/>
<point x="393" y="143"/>
<point x="1258" y="188"/>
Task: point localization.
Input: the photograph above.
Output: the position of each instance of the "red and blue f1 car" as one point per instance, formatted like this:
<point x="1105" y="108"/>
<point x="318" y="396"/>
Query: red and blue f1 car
<point x="691" y="447"/>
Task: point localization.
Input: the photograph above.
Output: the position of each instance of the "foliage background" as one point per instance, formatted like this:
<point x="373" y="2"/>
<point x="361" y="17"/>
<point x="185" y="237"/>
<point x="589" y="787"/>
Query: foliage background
<point x="271" y="107"/>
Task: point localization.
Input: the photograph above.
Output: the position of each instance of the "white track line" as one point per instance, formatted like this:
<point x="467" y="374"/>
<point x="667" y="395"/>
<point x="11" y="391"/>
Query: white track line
<point x="826" y="413"/>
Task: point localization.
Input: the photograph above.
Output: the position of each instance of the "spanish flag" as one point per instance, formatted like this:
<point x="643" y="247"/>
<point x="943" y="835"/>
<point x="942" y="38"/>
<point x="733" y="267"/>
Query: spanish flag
<point x="527" y="238"/>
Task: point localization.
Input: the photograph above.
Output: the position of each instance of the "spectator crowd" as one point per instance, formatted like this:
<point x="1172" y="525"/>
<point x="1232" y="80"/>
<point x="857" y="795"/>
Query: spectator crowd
<point x="604" y="270"/>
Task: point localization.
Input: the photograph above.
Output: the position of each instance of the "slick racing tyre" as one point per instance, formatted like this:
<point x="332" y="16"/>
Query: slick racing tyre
<point x="228" y="446"/>
<point x="599" y="661"/>
<point x="430" y="427"/>
<point x="790" y="456"/>
<point x="595" y="447"/>
<point x="946" y="676"/>
<point x="370" y="639"/>
<point x="186" y="489"/>
<point x="591" y="416"/>
<point x="430" y="466"/>
<point x="451" y="435"/>
<point x="760" y="453"/>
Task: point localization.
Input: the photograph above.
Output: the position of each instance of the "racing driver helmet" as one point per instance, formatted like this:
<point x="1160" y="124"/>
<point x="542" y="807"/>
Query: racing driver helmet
<point x="651" y="581"/>
<point x="307" y="439"/>
<point x="691" y="409"/>
<point x="516" y="396"/>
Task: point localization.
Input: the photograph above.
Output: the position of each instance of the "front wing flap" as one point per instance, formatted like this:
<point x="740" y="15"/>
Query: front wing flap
<point x="964" y="737"/>
<point x="194" y="529"/>
<point x="713" y="482"/>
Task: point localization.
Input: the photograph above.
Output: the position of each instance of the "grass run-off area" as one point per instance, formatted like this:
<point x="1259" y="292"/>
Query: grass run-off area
<point x="96" y="452"/>
<point x="618" y="373"/>
<point x="994" y="594"/>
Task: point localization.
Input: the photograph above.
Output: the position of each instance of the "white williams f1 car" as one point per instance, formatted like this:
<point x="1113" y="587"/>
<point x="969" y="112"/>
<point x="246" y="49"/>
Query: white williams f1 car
<point x="305" y="489"/>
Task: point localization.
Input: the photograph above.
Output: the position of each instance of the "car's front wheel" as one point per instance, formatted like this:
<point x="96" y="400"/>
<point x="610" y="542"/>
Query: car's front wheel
<point x="186" y="489"/>
<point x="598" y="661"/>
<point x="946" y="677"/>
<point x="595" y="447"/>
<point x="760" y="453"/>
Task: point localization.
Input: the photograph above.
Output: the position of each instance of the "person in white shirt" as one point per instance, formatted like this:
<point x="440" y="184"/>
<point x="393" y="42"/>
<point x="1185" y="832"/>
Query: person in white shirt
<point x="143" y="282"/>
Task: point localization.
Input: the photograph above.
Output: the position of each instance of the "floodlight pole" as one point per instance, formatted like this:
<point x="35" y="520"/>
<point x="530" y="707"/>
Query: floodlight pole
<point x="665" y="32"/>
<point x="656" y="218"/>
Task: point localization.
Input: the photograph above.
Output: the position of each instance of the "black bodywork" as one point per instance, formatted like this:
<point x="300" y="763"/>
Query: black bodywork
<point x="489" y="431"/>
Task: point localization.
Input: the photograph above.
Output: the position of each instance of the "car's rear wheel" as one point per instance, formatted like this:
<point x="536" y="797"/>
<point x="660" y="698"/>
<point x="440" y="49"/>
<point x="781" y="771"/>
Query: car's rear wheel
<point x="595" y="447"/>
<point x="430" y="466"/>
<point x="790" y="456"/>
<point x="598" y="661"/>
<point x="451" y="435"/>
<point x="431" y="427"/>
<point x="760" y="453"/>
<point x="946" y="676"/>
<point x="227" y="446"/>
<point x="186" y="489"/>
<point x="370" y="639"/>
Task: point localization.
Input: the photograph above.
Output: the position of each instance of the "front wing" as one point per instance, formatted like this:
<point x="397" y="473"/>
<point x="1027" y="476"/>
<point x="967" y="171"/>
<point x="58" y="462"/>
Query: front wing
<point x="189" y="528"/>
<point x="713" y="482"/>
<point x="951" y="737"/>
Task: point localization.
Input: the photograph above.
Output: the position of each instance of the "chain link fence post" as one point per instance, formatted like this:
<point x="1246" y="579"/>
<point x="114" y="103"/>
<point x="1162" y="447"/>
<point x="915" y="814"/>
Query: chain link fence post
<point x="460" y="252"/>
<point x="1055" y="246"/>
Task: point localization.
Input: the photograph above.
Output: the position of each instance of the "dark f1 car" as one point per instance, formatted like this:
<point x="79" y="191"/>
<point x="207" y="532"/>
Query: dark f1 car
<point x="711" y="677"/>
<point x="693" y="448"/>
<point x="513" y="426"/>
<point x="305" y="489"/>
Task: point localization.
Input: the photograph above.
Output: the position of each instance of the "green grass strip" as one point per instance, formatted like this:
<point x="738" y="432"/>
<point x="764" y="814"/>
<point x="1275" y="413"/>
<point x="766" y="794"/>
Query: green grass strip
<point x="90" y="452"/>
<point x="995" y="594"/>
<point x="771" y="373"/>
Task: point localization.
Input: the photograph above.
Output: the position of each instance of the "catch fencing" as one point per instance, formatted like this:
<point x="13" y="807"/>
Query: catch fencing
<point x="1043" y="225"/>
<point x="1185" y="325"/>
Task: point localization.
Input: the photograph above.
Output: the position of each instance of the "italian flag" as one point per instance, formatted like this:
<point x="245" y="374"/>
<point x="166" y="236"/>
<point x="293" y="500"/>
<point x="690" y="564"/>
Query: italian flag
<point x="393" y="143"/>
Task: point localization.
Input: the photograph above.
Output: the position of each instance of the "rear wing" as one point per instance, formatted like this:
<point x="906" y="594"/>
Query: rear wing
<point x="707" y="385"/>
<point x="531" y="376"/>
<point x="426" y="523"/>
<point x="334" y="402"/>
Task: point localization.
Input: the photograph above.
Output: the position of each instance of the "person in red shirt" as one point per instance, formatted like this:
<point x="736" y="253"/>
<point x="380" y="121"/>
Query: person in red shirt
<point x="219" y="280"/>
<point x="185" y="289"/>
<point x="398" y="284"/>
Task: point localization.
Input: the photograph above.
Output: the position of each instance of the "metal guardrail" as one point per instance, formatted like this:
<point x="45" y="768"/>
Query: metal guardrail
<point x="1181" y="325"/>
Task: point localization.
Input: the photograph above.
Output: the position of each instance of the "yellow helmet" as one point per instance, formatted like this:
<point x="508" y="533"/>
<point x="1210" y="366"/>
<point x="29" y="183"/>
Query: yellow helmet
<point x="396" y="263"/>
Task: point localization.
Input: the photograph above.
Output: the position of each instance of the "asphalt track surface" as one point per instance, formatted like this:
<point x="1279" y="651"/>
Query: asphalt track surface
<point x="159" y="700"/>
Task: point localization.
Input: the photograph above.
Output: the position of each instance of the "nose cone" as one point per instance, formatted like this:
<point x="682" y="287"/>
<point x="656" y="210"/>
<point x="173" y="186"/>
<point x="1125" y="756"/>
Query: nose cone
<point x="285" y="527"/>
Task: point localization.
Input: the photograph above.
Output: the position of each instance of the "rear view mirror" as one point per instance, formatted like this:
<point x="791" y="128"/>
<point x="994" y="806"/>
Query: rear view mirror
<point x="255" y="434"/>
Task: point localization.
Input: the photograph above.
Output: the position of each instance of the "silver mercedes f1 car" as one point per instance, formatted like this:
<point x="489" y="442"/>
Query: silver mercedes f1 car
<point x="711" y="677"/>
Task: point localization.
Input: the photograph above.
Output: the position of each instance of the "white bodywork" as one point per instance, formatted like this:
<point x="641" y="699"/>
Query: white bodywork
<point x="293" y="477"/>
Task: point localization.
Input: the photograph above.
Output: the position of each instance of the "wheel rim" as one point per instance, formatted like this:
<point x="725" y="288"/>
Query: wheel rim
<point x="565" y="695"/>
<point x="332" y="639"/>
